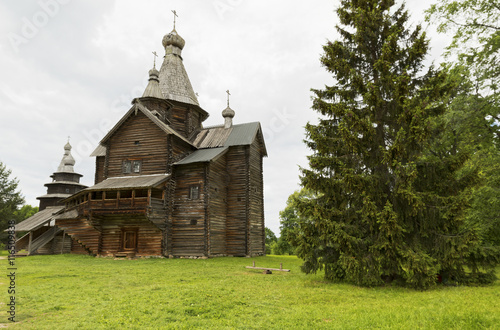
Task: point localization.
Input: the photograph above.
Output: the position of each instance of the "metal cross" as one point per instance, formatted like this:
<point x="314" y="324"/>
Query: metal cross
<point x="154" y="59"/>
<point x="228" y="97"/>
<point x="175" y="15"/>
<point x="69" y="138"/>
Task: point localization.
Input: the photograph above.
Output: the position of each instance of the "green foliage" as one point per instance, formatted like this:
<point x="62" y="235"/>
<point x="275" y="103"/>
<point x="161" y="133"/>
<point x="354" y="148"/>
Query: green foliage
<point x="25" y="212"/>
<point x="77" y="292"/>
<point x="472" y="123"/>
<point x="270" y="239"/>
<point x="10" y="199"/>
<point x="476" y="41"/>
<point x="388" y="208"/>
<point x="289" y="219"/>
<point x="476" y="38"/>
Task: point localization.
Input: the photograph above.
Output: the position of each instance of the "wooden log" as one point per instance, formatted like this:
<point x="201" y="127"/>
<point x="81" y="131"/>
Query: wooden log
<point x="266" y="268"/>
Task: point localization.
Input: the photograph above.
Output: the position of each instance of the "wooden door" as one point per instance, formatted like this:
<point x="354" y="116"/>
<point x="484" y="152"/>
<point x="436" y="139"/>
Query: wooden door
<point x="129" y="240"/>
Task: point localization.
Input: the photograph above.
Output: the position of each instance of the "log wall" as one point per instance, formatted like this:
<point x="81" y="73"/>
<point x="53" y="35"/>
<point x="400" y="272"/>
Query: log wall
<point x="149" y="237"/>
<point x="151" y="147"/>
<point x="256" y="229"/>
<point x="237" y="198"/>
<point x="217" y="207"/>
<point x="188" y="226"/>
<point x="99" y="169"/>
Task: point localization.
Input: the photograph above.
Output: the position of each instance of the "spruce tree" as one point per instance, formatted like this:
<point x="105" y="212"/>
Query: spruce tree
<point x="384" y="209"/>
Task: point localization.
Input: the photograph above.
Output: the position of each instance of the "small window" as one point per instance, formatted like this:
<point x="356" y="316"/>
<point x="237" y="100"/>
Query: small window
<point x="131" y="166"/>
<point x="194" y="192"/>
<point x="137" y="143"/>
<point x="137" y="166"/>
<point x="193" y="222"/>
<point x="67" y="190"/>
<point x="127" y="166"/>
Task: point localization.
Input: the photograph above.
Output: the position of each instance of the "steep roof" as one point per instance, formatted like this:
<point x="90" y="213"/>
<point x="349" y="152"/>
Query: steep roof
<point x="218" y="136"/>
<point x="38" y="219"/>
<point x="138" y="106"/>
<point x="174" y="81"/>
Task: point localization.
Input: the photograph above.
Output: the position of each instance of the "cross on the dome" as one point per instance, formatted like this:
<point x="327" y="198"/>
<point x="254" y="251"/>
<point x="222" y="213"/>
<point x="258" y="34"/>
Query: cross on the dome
<point x="154" y="59"/>
<point x="228" y="97"/>
<point x="69" y="138"/>
<point x="175" y="15"/>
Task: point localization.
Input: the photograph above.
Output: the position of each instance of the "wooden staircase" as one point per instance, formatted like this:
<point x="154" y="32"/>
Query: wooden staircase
<point x="83" y="232"/>
<point x="43" y="239"/>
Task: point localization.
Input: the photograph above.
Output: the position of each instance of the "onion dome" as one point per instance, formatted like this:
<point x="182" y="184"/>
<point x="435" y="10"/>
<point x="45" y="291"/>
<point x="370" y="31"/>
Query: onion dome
<point x="228" y="115"/>
<point x="153" y="87"/>
<point x="228" y="112"/>
<point x="67" y="162"/>
<point x="173" y="39"/>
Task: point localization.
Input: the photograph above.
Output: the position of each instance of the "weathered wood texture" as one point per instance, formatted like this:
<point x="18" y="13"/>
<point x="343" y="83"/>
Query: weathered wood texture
<point x="78" y="248"/>
<point x="188" y="215"/>
<point x="177" y="150"/>
<point x="82" y="231"/>
<point x="137" y="139"/>
<point x="149" y="237"/>
<point x="218" y="179"/>
<point x="237" y="201"/>
<point x="184" y="119"/>
<point x="256" y="229"/>
<point x="99" y="169"/>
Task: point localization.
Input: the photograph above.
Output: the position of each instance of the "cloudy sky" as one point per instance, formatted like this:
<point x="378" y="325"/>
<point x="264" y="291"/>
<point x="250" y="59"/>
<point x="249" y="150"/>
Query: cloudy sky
<point x="71" y="68"/>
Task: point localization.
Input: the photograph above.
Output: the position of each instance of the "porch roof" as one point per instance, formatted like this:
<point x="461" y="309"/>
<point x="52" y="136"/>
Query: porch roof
<point x="38" y="219"/>
<point x="130" y="182"/>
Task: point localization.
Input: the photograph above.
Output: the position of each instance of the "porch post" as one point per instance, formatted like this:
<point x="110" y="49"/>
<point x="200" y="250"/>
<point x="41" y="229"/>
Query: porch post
<point x="29" y="242"/>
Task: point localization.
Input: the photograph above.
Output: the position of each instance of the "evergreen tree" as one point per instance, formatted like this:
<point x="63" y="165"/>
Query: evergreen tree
<point x="10" y="199"/>
<point x="386" y="209"/>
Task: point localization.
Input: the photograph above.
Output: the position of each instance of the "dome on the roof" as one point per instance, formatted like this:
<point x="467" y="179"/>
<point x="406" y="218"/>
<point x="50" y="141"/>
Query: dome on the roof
<point x="174" y="39"/>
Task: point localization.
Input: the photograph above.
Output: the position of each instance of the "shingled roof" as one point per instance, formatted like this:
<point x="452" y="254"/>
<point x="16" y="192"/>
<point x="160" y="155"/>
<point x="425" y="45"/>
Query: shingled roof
<point x="174" y="81"/>
<point x="218" y="136"/>
<point x="39" y="219"/>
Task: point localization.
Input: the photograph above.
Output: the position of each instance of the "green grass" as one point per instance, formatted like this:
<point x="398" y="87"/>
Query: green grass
<point x="81" y="292"/>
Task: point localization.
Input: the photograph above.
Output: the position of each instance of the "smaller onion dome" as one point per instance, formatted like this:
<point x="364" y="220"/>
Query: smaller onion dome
<point x="67" y="162"/>
<point x="153" y="87"/>
<point x="228" y="115"/>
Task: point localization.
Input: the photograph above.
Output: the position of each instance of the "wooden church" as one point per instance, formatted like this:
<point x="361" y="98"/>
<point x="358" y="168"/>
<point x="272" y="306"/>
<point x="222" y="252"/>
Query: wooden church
<point x="167" y="186"/>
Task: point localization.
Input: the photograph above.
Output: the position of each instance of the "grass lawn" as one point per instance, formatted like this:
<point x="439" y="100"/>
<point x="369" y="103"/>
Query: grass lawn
<point x="82" y="292"/>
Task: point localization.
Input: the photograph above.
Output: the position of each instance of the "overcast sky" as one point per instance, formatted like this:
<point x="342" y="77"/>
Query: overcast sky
<point x="71" y="68"/>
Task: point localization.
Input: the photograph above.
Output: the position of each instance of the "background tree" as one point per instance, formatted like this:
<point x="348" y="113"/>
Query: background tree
<point x="473" y="118"/>
<point x="289" y="219"/>
<point x="25" y="212"/>
<point x="270" y="239"/>
<point x="476" y="40"/>
<point x="386" y="208"/>
<point x="10" y="199"/>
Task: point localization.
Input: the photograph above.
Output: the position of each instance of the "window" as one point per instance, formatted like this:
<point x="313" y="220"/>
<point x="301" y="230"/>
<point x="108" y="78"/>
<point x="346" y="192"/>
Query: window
<point x="127" y="166"/>
<point x="136" y="166"/>
<point x="131" y="166"/>
<point x="194" y="192"/>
